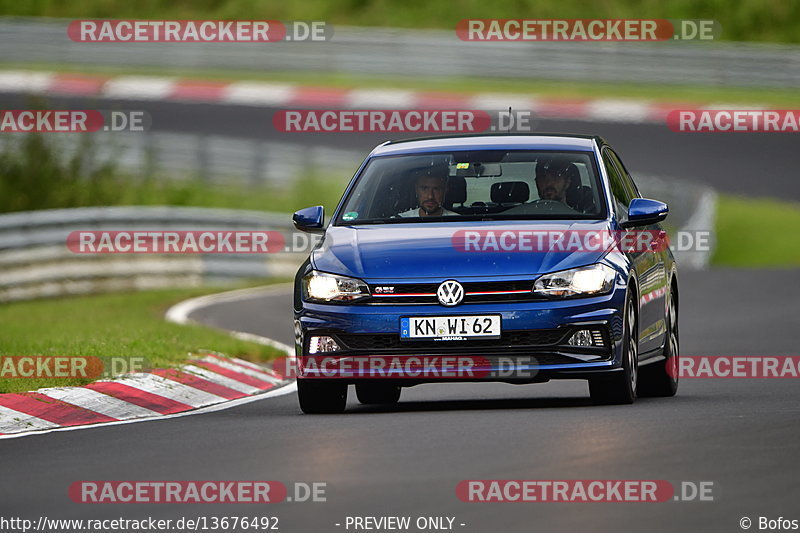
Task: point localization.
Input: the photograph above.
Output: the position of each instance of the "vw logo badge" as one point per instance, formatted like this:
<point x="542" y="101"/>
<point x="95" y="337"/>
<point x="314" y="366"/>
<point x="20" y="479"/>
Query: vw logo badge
<point x="450" y="293"/>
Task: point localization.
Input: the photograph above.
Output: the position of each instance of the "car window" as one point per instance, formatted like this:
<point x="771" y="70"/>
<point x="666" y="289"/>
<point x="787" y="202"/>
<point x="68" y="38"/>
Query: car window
<point x="627" y="180"/>
<point x="622" y="196"/>
<point x="478" y="184"/>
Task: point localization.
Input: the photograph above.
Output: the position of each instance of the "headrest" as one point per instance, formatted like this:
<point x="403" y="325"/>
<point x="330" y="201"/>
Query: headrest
<point x="456" y="190"/>
<point x="574" y="175"/>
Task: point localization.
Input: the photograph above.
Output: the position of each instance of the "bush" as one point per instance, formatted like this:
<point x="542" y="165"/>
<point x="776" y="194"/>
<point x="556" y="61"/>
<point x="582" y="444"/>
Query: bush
<point x="35" y="175"/>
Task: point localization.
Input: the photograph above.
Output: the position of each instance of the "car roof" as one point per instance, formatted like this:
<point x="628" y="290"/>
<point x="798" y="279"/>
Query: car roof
<point x="501" y="141"/>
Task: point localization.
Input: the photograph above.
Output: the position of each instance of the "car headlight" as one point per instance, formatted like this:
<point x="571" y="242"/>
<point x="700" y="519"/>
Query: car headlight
<point x="323" y="287"/>
<point x="583" y="281"/>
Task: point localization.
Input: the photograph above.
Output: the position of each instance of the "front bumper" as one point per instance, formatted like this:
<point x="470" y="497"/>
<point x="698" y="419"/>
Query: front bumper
<point x="533" y="347"/>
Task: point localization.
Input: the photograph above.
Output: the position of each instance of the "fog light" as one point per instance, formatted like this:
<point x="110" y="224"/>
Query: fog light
<point x="597" y="337"/>
<point x="322" y="345"/>
<point x="582" y="337"/>
<point x="586" y="337"/>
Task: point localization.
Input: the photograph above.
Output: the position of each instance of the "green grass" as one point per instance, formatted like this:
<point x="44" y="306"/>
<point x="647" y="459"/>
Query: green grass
<point x="110" y="325"/>
<point x="756" y="20"/>
<point x="689" y="94"/>
<point x="755" y="232"/>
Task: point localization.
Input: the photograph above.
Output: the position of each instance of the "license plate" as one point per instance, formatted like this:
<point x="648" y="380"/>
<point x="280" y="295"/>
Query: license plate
<point x="450" y="328"/>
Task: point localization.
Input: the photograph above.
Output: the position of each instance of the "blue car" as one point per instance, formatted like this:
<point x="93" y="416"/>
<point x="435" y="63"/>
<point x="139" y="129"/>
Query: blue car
<point x="509" y="258"/>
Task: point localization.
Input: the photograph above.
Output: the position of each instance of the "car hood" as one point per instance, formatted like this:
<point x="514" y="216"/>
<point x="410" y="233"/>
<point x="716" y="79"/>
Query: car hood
<point x="428" y="250"/>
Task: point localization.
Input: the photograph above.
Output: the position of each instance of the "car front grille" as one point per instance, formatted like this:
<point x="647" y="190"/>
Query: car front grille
<point x="474" y="292"/>
<point x="390" y="342"/>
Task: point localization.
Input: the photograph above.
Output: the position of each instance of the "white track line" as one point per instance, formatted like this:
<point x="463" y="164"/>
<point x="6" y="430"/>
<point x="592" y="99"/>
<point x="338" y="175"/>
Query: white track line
<point x="380" y="98"/>
<point x="139" y="87"/>
<point x="242" y="362"/>
<point x="178" y="313"/>
<point x="501" y="102"/>
<point x="258" y="339"/>
<point x="258" y="94"/>
<point x="618" y="111"/>
<point x="288" y="389"/>
<point x="29" y="82"/>
<point x="701" y="220"/>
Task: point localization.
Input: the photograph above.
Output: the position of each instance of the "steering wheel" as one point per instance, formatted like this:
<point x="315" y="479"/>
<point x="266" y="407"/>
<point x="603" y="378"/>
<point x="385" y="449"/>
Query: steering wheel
<point x="548" y="205"/>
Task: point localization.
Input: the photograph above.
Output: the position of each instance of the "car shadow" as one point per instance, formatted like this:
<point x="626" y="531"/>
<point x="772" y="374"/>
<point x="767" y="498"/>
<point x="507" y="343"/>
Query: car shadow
<point x="505" y="403"/>
<point x="472" y="405"/>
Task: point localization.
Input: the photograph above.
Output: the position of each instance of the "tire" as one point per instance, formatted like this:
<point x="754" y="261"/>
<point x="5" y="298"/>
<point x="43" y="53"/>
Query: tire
<point x="661" y="379"/>
<point x="620" y="387"/>
<point x="377" y="393"/>
<point x="321" y="397"/>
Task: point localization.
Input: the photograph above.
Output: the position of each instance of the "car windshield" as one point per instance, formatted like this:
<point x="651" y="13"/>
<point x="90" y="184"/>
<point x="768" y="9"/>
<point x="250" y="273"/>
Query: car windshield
<point x="476" y="185"/>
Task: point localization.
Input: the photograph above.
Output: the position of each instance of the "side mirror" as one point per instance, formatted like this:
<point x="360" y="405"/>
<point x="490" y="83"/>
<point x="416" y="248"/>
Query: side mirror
<point x="310" y="219"/>
<point x="643" y="212"/>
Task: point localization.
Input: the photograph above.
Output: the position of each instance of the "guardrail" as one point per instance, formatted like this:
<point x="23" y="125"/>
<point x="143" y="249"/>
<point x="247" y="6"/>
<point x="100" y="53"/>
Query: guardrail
<point x="214" y="158"/>
<point x="426" y="53"/>
<point x="35" y="261"/>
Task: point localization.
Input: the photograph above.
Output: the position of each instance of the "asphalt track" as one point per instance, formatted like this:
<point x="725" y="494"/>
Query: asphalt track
<point x="752" y="164"/>
<point x="740" y="434"/>
<point x="407" y="460"/>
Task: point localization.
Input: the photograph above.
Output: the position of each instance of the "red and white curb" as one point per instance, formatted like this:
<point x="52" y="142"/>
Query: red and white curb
<point x="264" y="94"/>
<point x="205" y="381"/>
<point x="209" y="382"/>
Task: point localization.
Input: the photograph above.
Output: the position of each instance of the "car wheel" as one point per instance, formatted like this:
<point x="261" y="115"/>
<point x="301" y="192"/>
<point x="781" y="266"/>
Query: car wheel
<point x="372" y="393"/>
<point x="620" y="388"/>
<point x="661" y="379"/>
<point x="321" y="397"/>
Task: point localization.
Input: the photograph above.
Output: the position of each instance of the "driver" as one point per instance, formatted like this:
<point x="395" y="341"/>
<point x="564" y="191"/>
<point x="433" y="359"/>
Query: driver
<point x="430" y="188"/>
<point x="553" y="179"/>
